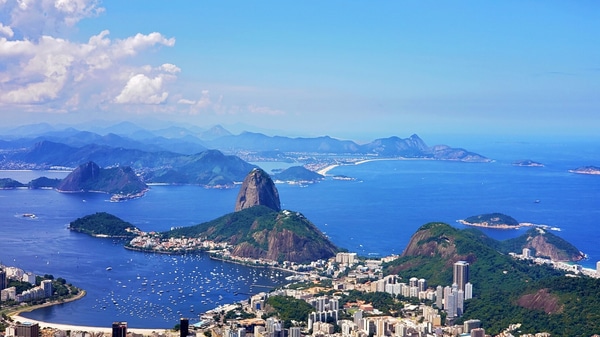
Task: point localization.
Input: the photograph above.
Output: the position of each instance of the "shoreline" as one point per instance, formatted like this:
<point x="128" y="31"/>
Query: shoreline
<point x="15" y="315"/>
<point x="328" y="168"/>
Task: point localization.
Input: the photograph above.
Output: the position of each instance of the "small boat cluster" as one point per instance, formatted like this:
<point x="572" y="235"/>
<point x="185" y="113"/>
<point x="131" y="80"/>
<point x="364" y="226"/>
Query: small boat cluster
<point x="182" y="289"/>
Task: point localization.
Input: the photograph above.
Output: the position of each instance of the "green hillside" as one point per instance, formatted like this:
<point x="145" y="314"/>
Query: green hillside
<point x="506" y="290"/>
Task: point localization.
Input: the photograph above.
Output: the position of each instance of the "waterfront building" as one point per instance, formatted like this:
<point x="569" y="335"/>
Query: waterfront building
<point x="47" y="287"/>
<point x="28" y="277"/>
<point x="598" y="267"/>
<point x="184" y="327"/>
<point x="119" y="329"/>
<point x="27" y="329"/>
<point x="8" y="294"/>
<point x="461" y="274"/>
<point x="526" y="253"/>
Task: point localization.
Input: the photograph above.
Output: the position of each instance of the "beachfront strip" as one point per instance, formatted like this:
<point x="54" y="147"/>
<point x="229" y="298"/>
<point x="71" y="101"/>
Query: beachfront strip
<point x="422" y="310"/>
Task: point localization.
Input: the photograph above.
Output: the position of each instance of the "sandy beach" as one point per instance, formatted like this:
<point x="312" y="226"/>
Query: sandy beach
<point x="16" y="317"/>
<point x="326" y="169"/>
<point x="65" y="327"/>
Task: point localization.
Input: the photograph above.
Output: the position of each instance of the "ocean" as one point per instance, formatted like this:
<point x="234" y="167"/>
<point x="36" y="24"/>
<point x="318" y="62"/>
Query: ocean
<point x="373" y="215"/>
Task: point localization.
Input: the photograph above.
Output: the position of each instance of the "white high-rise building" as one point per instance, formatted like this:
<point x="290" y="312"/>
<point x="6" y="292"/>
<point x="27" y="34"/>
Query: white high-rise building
<point x="450" y="305"/>
<point x="526" y="253"/>
<point x="468" y="291"/>
<point x="439" y="295"/>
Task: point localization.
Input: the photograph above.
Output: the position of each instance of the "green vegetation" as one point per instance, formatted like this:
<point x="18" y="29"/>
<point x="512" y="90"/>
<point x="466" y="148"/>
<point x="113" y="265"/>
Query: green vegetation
<point x="492" y="219"/>
<point x="289" y="309"/>
<point x="254" y="228"/>
<point x="44" y="182"/>
<point x="103" y="224"/>
<point x="298" y="173"/>
<point x="380" y="300"/>
<point x="516" y="244"/>
<point x="243" y="225"/>
<point x="8" y="183"/>
<point x="499" y="281"/>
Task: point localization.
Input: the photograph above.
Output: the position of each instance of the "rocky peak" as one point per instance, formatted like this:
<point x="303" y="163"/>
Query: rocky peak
<point x="258" y="189"/>
<point x="89" y="171"/>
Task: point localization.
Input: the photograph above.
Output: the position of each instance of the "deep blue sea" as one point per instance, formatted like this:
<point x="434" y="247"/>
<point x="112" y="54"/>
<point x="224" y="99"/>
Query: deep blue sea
<point x="375" y="215"/>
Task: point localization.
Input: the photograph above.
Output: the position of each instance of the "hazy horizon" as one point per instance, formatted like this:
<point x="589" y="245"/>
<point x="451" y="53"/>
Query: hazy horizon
<point x="351" y="70"/>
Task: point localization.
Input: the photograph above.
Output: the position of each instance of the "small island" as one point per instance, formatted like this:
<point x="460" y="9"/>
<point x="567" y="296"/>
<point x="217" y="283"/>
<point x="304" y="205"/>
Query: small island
<point x="298" y="174"/>
<point x="492" y="220"/>
<point x="527" y="163"/>
<point x="586" y="170"/>
<point x="103" y="224"/>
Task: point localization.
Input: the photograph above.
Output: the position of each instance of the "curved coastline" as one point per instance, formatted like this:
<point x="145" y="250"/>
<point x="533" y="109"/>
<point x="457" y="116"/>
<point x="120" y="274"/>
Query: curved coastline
<point x="16" y="317"/>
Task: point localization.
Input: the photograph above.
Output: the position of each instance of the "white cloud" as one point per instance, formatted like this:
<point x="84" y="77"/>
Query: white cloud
<point x="263" y="110"/>
<point x="54" y="68"/>
<point x="132" y="45"/>
<point x="33" y="18"/>
<point x="186" y="101"/>
<point x="170" y="68"/>
<point x="143" y="90"/>
<point x="6" y="30"/>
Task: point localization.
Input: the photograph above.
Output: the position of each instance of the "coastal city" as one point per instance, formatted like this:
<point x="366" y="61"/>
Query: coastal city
<point x="341" y="297"/>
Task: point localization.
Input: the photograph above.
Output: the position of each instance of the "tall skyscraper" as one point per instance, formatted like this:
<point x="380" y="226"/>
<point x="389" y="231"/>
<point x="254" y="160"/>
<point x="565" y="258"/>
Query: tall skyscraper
<point x="119" y="329"/>
<point x="3" y="281"/>
<point x="184" y="327"/>
<point x="461" y="274"/>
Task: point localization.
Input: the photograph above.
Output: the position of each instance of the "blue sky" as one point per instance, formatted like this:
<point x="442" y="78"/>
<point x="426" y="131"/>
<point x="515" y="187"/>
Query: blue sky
<point x="349" y="69"/>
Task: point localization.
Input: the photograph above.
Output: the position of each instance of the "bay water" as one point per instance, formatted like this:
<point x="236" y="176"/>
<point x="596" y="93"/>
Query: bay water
<point x="373" y="215"/>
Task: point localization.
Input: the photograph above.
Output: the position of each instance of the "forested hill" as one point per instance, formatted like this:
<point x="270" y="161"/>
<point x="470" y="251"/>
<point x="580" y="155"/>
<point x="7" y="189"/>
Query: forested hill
<point x="261" y="232"/>
<point x="104" y="224"/>
<point x="506" y="290"/>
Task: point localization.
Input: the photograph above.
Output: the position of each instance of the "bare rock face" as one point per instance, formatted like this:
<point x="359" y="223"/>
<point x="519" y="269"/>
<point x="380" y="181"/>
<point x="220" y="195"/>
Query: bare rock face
<point x="258" y="189"/>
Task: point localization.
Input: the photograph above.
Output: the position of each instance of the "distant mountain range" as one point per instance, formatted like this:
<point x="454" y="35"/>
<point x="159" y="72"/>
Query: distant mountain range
<point x="187" y="141"/>
<point x="212" y="157"/>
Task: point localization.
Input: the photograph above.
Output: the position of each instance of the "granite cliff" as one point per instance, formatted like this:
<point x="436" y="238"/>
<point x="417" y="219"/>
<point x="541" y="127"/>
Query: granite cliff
<point x="258" y="189"/>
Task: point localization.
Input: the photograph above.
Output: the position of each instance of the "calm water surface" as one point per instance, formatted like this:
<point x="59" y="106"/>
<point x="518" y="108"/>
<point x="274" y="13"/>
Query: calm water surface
<point x="375" y="215"/>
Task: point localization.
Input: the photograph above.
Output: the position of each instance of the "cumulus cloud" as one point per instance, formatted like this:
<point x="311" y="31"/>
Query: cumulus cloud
<point x="39" y="71"/>
<point x="6" y="30"/>
<point x="31" y="18"/>
<point x="142" y="89"/>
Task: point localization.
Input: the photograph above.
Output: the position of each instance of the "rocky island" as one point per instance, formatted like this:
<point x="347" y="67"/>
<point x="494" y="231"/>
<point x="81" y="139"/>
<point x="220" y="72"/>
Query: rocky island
<point x="298" y="175"/>
<point x="103" y="224"/>
<point x="527" y="163"/>
<point x="492" y="220"/>
<point x="586" y="170"/>
<point x="121" y="182"/>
